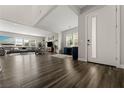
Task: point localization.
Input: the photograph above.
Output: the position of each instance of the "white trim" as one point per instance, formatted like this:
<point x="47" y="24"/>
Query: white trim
<point x="118" y="36"/>
<point x="82" y="59"/>
<point x="40" y="18"/>
<point x="86" y="37"/>
<point x="74" y="9"/>
<point x="86" y="30"/>
<point x="121" y="66"/>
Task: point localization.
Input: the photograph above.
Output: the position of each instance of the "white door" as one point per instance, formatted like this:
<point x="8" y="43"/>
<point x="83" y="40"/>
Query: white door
<point x="101" y="28"/>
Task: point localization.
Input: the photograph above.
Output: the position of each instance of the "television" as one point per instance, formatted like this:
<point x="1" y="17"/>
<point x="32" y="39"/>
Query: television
<point x="49" y="44"/>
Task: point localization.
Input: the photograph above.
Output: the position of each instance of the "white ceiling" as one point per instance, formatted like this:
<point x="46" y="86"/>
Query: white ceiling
<point x="80" y="6"/>
<point x="18" y="14"/>
<point x="60" y="19"/>
<point x="23" y="14"/>
<point x="6" y="26"/>
<point x="48" y="17"/>
<point x="40" y="11"/>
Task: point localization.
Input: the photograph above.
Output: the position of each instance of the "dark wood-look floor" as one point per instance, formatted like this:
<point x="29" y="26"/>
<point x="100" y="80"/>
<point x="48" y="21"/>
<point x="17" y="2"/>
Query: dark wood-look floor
<point x="46" y="71"/>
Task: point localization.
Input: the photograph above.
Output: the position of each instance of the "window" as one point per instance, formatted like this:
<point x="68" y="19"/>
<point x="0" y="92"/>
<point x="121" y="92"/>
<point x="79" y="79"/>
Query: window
<point x="69" y="40"/>
<point x="75" y="39"/>
<point x="72" y="39"/>
<point x="26" y="42"/>
<point x="32" y="43"/>
<point x="19" y="41"/>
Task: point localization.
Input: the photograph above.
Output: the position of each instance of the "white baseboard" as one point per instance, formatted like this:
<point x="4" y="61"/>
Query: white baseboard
<point x="121" y="66"/>
<point x="82" y="59"/>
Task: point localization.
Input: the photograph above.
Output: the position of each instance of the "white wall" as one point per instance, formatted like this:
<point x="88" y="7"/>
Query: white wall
<point x="7" y="26"/>
<point x="81" y="38"/>
<point x="122" y="35"/>
<point x="82" y="34"/>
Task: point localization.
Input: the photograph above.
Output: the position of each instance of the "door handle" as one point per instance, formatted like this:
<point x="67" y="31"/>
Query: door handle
<point x="88" y="40"/>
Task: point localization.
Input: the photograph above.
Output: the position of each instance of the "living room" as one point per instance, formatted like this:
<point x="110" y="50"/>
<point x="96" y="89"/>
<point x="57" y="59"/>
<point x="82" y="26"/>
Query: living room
<point x="22" y="33"/>
<point x="33" y="36"/>
<point x="61" y="46"/>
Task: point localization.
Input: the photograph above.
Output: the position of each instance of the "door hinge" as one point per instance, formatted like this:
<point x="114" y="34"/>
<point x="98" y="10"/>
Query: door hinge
<point x="116" y="26"/>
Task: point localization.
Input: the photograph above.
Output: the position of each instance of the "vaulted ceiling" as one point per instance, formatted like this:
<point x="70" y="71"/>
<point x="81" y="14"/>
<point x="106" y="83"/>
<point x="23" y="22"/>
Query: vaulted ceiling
<point x="23" y="14"/>
<point x="60" y="19"/>
<point x="48" y="17"/>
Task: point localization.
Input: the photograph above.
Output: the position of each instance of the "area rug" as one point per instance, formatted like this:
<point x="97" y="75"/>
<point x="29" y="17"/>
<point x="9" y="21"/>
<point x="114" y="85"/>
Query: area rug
<point x="61" y="56"/>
